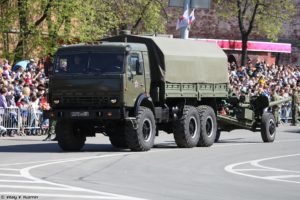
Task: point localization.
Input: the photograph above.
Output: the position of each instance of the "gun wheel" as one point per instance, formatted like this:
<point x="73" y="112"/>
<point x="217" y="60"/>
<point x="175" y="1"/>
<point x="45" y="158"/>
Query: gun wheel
<point x="268" y="127"/>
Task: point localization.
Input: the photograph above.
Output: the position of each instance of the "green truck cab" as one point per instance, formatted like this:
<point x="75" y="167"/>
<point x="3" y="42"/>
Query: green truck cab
<point x="130" y="87"/>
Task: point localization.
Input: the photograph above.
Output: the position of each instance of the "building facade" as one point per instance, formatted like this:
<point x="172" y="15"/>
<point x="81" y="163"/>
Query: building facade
<point x="208" y="26"/>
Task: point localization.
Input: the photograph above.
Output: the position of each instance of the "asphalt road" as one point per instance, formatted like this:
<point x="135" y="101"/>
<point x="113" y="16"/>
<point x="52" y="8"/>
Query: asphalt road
<point x="239" y="167"/>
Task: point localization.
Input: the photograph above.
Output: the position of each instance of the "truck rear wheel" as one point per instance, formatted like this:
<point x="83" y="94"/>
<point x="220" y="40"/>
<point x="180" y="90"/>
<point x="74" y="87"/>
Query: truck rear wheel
<point x="187" y="128"/>
<point x="141" y="138"/>
<point x="268" y="127"/>
<point x="69" y="137"/>
<point x="208" y="126"/>
<point x="116" y="136"/>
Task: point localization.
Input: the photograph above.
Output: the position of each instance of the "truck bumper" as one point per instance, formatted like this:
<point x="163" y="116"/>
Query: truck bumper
<point x="99" y="114"/>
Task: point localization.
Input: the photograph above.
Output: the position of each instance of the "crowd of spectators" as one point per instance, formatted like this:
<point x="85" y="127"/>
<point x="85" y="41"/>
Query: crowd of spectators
<point x="266" y="79"/>
<point x="23" y="87"/>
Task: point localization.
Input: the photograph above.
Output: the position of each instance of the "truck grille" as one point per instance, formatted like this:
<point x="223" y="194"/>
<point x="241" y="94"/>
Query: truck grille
<point x="90" y="101"/>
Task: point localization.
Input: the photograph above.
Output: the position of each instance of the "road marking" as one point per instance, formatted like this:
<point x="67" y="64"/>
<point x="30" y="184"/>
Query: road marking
<point x="61" y="187"/>
<point x="220" y="144"/>
<point x="9" y="169"/>
<point x="16" y="181"/>
<point x="35" y="187"/>
<point x="12" y="175"/>
<point x="279" y="177"/>
<point x="65" y="196"/>
<point x="234" y="169"/>
<point x="25" y="173"/>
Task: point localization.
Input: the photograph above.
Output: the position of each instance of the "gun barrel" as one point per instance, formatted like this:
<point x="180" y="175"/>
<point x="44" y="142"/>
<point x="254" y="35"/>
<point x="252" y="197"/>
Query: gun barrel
<point x="274" y="103"/>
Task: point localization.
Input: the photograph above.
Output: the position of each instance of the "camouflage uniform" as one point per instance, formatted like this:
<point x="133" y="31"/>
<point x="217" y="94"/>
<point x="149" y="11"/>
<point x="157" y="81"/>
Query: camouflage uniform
<point x="295" y="100"/>
<point x="276" y="108"/>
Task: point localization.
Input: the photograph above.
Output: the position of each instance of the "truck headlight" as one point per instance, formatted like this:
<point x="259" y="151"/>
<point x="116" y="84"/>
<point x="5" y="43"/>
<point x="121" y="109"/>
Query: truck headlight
<point x="113" y="101"/>
<point x="56" y="101"/>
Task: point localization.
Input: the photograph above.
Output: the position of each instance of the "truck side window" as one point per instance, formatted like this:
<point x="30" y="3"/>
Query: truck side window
<point x="62" y="64"/>
<point x="134" y="64"/>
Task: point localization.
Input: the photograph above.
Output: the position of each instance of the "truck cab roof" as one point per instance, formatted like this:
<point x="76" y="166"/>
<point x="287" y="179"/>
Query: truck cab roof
<point x="102" y="46"/>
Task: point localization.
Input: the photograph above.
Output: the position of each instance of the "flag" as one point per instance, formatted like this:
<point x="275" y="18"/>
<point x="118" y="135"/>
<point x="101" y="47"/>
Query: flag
<point x="182" y="21"/>
<point x="192" y="17"/>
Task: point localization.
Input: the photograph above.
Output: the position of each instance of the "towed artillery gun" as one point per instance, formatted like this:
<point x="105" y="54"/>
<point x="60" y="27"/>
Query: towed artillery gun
<point x="254" y="113"/>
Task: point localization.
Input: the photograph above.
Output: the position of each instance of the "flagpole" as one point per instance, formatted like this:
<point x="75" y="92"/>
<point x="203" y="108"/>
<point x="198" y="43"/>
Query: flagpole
<point x="184" y="31"/>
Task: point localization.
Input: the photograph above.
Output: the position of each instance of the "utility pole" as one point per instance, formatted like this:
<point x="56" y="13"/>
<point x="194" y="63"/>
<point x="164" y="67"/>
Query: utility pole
<point x="184" y="31"/>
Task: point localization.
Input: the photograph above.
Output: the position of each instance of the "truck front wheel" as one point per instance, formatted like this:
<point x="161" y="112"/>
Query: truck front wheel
<point x="208" y="126"/>
<point x="141" y="137"/>
<point x="268" y="127"/>
<point x="117" y="136"/>
<point x="187" y="129"/>
<point x="70" y="137"/>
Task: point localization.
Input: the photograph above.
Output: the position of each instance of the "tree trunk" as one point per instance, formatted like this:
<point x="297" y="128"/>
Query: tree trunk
<point x="244" y="59"/>
<point x="21" y="46"/>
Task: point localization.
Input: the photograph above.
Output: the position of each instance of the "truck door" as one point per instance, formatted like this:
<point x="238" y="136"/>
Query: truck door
<point x="135" y="81"/>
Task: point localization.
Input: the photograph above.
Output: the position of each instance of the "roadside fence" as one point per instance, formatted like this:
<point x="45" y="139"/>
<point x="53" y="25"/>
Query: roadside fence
<point x="14" y="120"/>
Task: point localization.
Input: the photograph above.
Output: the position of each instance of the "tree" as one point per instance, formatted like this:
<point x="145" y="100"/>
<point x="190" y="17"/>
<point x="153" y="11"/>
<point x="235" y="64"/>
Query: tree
<point x="139" y="16"/>
<point x="263" y="16"/>
<point x="38" y="25"/>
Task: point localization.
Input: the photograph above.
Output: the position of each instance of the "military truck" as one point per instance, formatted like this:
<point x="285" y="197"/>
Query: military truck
<point x="130" y="87"/>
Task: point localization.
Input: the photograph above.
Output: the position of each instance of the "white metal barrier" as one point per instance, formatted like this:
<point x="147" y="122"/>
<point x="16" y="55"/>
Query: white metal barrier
<point x="20" y="120"/>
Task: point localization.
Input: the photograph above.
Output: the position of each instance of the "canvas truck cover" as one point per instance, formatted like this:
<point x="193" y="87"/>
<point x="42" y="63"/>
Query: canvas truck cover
<point x="182" y="61"/>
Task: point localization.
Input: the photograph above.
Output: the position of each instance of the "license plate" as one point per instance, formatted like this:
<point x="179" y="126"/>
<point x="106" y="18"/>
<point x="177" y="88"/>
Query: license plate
<point x="80" y="114"/>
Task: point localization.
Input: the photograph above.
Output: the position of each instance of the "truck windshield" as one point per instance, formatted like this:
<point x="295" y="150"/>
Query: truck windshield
<point x="103" y="62"/>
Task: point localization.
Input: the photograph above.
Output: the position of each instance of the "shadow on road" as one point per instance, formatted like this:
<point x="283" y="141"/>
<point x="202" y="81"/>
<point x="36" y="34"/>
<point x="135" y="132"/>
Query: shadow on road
<point x="54" y="148"/>
<point x="237" y="141"/>
<point x="293" y="131"/>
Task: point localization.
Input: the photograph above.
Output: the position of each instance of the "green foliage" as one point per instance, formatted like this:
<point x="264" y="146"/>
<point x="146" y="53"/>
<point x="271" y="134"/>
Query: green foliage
<point x="41" y="25"/>
<point x="140" y="16"/>
<point x="264" y="17"/>
<point x="268" y="19"/>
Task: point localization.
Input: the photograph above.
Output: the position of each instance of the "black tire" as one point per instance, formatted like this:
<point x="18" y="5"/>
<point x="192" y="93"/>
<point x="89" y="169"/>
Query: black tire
<point x="69" y="137"/>
<point x="116" y="136"/>
<point x="187" y="128"/>
<point x="218" y="134"/>
<point x="268" y="127"/>
<point x="208" y="126"/>
<point x="141" y="138"/>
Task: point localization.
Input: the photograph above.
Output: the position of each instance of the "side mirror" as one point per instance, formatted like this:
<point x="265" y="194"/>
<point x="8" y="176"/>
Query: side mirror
<point x="139" y="67"/>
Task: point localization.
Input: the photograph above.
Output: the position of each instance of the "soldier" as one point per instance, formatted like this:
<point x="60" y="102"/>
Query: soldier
<point x="295" y="100"/>
<point x="51" y="131"/>
<point x="276" y="108"/>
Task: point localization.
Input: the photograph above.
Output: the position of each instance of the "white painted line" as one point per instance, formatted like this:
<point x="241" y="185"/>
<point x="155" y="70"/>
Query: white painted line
<point x="283" y="176"/>
<point x="245" y="143"/>
<point x="18" y="181"/>
<point x="63" y="159"/>
<point x="25" y="173"/>
<point x="9" y="169"/>
<point x="155" y="151"/>
<point x="65" y="196"/>
<point x="35" y="187"/>
<point x="12" y="175"/>
<point x="255" y="163"/>
<point x="261" y="170"/>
